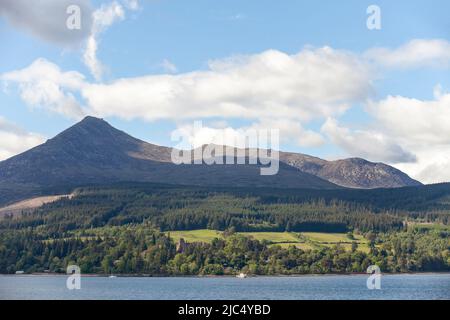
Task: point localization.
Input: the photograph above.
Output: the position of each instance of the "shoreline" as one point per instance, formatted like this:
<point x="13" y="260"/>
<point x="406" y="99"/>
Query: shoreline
<point x="94" y="275"/>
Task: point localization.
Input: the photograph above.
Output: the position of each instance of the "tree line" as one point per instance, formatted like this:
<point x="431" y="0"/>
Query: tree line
<point x="140" y="249"/>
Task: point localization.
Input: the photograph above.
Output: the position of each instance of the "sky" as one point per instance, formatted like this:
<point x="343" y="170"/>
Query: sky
<point x="318" y="71"/>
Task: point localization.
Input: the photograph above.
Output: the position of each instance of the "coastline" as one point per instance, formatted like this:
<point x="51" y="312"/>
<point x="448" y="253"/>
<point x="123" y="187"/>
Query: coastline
<point x="95" y="275"/>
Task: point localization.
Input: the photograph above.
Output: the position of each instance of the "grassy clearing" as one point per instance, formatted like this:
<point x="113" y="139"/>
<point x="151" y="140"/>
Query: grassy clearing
<point x="196" y="235"/>
<point x="303" y="246"/>
<point x="428" y="226"/>
<point x="304" y="240"/>
<point x="273" y="237"/>
<point x="331" y="237"/>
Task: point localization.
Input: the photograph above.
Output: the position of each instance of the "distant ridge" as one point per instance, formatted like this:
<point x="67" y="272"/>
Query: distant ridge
<point x="352" y="173"/>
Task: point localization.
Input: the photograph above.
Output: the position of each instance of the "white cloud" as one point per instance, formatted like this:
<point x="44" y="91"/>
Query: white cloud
<point x="169" y="66"/>
<point x="372" y="145"/>
<point x="420" y="121"/>
<point x="274" y="89"/>
<point x="222" y="134"/>
<point x="46" y="19"/>
<point x="432" y="164"/>
<point x="307" y="85"/>
<point x="90" y="58"/>
<point x="198" y="135"/>
<point x="44" y="85"/>
<point x="291" y="131"/>
<point x="131" y="4"/>
<point x="106" y="15"/>
<point x="14" y="140"/>
<point x="103" y="18"/>
<point x="421" y="126"/>
<point x="414" y="54"/>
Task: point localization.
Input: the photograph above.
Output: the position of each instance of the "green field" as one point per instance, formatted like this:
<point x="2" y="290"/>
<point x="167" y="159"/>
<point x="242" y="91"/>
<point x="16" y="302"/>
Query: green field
<point x="195" y="235"/>
<point x="329" y="237"/>
<point x="428" y="226"/>
<point x="303" y="240"/>
<point x="273" y="237"/>
<point x="300" y="245"/>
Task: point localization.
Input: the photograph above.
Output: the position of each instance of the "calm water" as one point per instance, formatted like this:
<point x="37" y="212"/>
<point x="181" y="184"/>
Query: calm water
<point x="428" y="286"/>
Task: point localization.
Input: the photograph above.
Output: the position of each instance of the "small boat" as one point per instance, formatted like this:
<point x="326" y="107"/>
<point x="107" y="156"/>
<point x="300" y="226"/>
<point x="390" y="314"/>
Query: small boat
<point x="241" y="276"/>
<point x="111" y="276"/>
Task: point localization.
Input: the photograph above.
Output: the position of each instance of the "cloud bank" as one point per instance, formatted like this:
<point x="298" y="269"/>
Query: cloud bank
<point x="311" y="84"/>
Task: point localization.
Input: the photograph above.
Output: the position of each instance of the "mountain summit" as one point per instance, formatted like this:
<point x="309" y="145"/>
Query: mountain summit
<point x="94" y="152"/>
<point x="351" y="173"/>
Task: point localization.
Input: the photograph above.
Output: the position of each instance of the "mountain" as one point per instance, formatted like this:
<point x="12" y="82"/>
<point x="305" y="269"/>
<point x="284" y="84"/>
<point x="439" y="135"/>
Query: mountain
<point x="93" y="152"/>
<point x="351" y="173"/>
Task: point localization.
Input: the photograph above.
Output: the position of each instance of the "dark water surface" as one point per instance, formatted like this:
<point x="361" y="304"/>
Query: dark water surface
<point x="415" y="286"/>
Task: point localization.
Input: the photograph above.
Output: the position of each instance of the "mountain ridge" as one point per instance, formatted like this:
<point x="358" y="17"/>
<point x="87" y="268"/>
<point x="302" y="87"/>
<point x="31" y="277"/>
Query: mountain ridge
<point x="94" y="152"/>
<point x="351" y="172"/>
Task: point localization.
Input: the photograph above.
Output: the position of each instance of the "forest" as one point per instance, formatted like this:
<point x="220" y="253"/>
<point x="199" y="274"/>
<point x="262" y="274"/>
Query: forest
<point x="123" y="229"/>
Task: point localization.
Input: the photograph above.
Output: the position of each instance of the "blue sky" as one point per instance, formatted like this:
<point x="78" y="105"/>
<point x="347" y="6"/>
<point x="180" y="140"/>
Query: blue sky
<point x="186" y="35"/>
